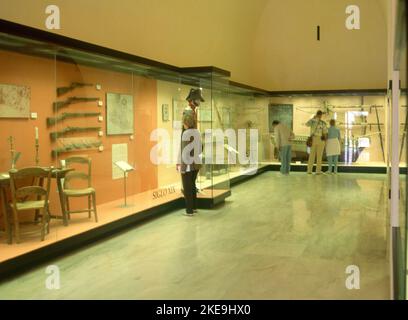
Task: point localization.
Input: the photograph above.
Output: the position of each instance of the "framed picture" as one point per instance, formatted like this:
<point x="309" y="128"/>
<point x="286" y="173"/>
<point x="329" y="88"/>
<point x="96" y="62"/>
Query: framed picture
<point x="119" y="114"/>
<point x="14" y="101"/>
<point x="165" y="112"/>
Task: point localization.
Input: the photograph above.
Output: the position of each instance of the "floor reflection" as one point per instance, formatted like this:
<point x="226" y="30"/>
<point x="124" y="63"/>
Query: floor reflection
<point x="277" y="237"/>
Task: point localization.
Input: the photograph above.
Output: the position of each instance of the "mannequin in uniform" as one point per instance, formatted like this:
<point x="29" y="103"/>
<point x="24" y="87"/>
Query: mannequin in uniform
<point x="194" y="99"/>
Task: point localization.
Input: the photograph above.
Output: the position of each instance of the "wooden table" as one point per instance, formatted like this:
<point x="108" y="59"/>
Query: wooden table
<point x="4" y="184"/>
<point x="58" y="174"/>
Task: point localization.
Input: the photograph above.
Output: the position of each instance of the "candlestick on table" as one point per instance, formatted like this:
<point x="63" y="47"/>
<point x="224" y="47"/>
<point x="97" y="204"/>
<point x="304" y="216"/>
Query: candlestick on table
<point x="12" y="151"/>
<point x="37" y="147"/>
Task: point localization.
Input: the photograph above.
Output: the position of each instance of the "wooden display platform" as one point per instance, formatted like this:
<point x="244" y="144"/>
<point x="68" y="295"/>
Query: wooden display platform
<point x="208" y="199"/>
<point x="354" y="168"/>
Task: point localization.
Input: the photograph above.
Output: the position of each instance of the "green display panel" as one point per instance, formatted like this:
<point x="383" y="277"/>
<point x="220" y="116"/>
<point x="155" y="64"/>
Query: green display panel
<point x="282" y="113"/>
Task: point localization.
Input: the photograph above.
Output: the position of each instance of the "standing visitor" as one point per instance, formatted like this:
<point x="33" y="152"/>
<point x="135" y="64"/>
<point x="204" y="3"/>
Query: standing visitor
<point x="189" y="172"/>
<point x="283" y="138"/>
<point x="189" y="163"/>
<point x="194" y="100"/>
<point x="333" y="148"/>
<point x="318" y="136"/>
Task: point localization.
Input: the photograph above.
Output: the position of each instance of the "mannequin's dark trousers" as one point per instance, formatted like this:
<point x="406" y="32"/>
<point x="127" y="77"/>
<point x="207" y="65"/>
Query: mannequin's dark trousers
<point x="190" y="190"/>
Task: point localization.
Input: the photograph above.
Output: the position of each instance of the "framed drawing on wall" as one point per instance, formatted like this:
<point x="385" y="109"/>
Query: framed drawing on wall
<point x="165" y="112"/>
<point x="14" y="101"/>
<point x="119" y="114"/>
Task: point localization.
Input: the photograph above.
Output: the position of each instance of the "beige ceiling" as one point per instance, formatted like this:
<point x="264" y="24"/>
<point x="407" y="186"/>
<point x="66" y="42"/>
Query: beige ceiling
<point x="287" y="55"/>
<point x="267" y="43"/>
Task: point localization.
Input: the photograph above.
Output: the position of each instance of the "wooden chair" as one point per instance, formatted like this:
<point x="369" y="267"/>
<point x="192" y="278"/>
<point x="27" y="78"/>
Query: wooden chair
<point x="71" y="191"/>
<point x="33" y="197"/>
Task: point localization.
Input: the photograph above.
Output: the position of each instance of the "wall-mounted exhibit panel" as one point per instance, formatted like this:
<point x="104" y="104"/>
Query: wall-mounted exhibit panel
<point x="108" y="128"/>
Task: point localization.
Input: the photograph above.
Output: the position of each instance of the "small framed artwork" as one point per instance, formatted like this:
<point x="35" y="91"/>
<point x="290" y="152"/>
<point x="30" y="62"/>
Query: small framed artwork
<point x="14" y="101"/>
<point x="165" y="112"/>
<point x="119" y="114"/>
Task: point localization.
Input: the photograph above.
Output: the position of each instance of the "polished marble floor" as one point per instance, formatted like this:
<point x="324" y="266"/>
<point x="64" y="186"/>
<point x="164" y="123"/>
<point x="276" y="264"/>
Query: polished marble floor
<point x="277" y="237"/>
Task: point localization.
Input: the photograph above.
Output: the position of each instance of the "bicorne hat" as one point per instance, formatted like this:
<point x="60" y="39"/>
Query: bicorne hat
<point x="195" y="94"/>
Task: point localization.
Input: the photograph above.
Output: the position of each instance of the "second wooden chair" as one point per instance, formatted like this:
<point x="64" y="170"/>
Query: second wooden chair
<point x="70" y="191"/>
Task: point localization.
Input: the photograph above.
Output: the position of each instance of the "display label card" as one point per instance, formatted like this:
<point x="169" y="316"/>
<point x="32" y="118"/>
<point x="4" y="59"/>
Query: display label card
<point x="161" y="193"/>
<point x="119" y="153"/>
<point x="124" y="166"/>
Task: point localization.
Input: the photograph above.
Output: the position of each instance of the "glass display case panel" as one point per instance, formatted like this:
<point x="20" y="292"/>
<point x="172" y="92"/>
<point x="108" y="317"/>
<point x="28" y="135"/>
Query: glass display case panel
<point x="403" y="185"/>
<point x="170" y="106"/>
<point x="104" y="114"/>
<point x="219" y="114"/>
<point x="173" y="96"/>
<point x="122" y="116"/>
<point x="244" y="111"/>
<point x="27" y="90"/>
<point x="213" y="178"/>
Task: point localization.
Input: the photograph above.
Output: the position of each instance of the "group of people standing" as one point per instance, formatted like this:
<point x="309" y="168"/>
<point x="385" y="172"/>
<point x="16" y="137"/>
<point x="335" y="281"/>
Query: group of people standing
<point x="321" y="138"/>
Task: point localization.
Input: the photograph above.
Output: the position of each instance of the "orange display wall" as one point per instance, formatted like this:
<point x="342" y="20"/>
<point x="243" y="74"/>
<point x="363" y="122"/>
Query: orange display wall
<point x="43" y="76"/>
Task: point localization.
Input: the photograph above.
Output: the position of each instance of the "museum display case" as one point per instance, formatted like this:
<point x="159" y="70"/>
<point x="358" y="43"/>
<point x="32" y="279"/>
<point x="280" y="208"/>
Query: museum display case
<point x="361" y="117"/>
<point x="108" y="126"/>
<point x="213" y="180"/>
